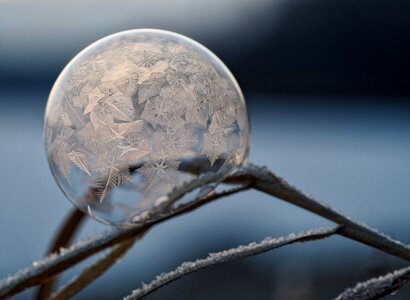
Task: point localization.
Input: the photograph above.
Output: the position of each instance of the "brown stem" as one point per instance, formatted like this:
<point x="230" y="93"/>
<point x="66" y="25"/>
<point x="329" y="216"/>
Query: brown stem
<point x="260" y="178"/>
<point x="53" y="265"/>
<point x="95" y="270"/>
<point x="269" y="183"/>
<point x="62" y="239"/>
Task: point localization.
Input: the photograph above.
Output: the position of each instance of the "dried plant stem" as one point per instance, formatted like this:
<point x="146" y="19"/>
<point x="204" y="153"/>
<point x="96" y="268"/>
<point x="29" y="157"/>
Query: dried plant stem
<point x="267" y="182"/>
<point x="260" y="178"/>
<point x="54" y="264"/>
<point x="95" y="270"/>
<point x="67" y="230"/>
<point x="377" y="288"/>
<point x="236" y="253"/>
<point x="63" y="238"/>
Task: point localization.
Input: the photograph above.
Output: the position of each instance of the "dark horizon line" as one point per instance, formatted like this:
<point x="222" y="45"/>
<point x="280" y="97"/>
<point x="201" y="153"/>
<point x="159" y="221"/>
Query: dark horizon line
<point x="46" y="83"/>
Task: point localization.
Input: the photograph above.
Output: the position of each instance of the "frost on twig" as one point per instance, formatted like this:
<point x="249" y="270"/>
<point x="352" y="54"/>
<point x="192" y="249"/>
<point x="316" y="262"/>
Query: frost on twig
<point x="377" y="288"/>
<point x="45" y="268"/>
<point x="229" y="255"/>
<point x="63" y="238"/>
<point x="93" y="271"/>
<point x="54" y="263"/>
<point x="164" y="204"/>
<point x="267" y="182"/>
<point x="253" y="176"/>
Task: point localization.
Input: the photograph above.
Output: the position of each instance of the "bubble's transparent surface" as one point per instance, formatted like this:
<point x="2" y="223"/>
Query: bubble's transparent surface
<point x="137" y="114"/>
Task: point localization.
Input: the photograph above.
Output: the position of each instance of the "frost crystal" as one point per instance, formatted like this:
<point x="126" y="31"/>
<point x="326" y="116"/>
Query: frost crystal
<point x="128" y="115"/>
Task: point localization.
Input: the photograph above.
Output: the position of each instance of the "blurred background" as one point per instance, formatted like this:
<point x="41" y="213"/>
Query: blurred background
<point x="327" y="88"/>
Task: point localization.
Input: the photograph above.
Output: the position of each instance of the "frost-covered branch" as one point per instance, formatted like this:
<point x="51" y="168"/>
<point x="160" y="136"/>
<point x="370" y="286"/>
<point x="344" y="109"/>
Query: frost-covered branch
<point x="62" y="238"/>
<point x="377" y="288"/>
<point x="253" y="176"/>
<point x="229" y="255"/>
<point x="93" y="271"/>
<point x="267" y="182"/>
<point x="202" y="183"/>
<point x="44" y="269"/>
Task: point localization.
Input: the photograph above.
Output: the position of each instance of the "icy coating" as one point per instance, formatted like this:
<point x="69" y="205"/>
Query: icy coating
<point x="137" y="114"/>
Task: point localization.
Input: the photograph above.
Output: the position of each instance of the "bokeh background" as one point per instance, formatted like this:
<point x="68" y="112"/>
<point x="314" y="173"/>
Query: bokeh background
<point x="327" y="88"/>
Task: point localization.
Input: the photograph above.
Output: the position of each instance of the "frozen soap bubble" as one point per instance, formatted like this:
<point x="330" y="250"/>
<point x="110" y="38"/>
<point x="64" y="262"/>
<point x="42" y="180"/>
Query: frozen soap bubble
<point x="135" y="115"/>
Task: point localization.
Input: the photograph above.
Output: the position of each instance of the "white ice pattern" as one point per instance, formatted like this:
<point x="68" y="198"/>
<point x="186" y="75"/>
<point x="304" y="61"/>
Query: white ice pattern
<point x="147" y="102"/>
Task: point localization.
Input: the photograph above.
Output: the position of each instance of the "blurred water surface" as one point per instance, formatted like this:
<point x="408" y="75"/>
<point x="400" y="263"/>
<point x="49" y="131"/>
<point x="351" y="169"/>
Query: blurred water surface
<point x="353" y="155"/>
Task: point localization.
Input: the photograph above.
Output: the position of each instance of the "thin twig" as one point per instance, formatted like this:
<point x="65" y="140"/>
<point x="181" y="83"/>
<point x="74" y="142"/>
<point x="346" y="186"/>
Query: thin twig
<point x="269" y="183"/>
<point x="236" y="253"/>
<point x="47" y="267"/>
<point x="164" y="205"/>
<point x="377" y="288"/>
<point x="192" y="205"/>
<point x="199" y="182"/>
<point x="261" y="179"/>
<point x="67" y="230"/>
<point x="95" y="270"/>
<point x="62" y="239"/>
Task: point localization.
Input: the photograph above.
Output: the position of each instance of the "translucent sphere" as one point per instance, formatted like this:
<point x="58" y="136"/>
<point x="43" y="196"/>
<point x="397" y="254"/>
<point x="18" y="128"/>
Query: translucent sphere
<point x="137" y="114"/>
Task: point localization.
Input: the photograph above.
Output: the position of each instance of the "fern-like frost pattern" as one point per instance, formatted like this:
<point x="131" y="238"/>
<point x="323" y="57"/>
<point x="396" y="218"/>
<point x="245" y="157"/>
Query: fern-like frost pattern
<point x="129" y="111"/>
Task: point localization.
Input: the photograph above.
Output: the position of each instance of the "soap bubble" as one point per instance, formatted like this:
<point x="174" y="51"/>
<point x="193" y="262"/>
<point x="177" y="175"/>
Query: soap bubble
<point x="137" y="114"/>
